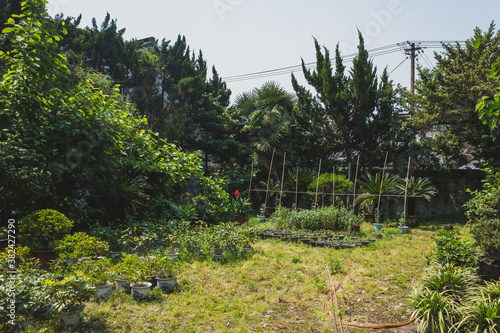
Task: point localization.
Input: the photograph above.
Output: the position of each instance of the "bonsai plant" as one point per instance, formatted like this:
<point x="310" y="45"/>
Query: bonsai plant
<point x="417" y="187"/>
<point x="40" y="229"/>
<point x="164" y="268"/>
<point x="98" y="273"/>
<point x="67" y="296"/>
<point x="80" y="245"/>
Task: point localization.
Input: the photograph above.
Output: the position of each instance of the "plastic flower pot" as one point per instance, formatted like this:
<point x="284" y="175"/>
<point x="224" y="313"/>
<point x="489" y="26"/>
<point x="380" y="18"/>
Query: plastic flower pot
<point x="404" y="229"/>
<point x="377" y="226"/>
<point x="261" y="218"/>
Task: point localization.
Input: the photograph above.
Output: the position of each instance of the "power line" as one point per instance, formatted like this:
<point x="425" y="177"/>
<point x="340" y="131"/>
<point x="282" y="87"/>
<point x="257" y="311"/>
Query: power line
<point x="376" y="52"/>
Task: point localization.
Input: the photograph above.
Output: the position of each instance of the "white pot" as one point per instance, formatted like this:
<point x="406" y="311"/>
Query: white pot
<point x="71" y="320"/>
<point x="141" y="289"/>
<point x="104" y="290"/>
<point x="166" y="283"/>
<point x="173" y="256"/>
<point x="70" y="260"/>
<point x="122" y="284"/>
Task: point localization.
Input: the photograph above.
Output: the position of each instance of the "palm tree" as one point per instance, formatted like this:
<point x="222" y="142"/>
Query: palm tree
<point x="417" y="187"/>
<point x="266" y="112"/>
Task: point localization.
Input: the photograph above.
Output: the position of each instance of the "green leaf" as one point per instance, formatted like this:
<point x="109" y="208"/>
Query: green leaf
<point x="7" y="30"/>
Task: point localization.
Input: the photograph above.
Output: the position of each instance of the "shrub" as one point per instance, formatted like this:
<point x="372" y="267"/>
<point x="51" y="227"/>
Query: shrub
<point x="79" y="245"/>
<point x="43" y="227"/>
<point x="487" y="235"/>
<point x="329" y="218"/>
<point x="484" y="210"/>
<point x="434" y="310"/>
<point x="450" y="249"/>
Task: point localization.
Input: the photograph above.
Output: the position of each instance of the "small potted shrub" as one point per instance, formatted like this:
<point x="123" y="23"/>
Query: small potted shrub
<point x="133" y="269"/>
<point x="164" y="268"/>
<point x="80" y="245"/>
<point x="99" y="274"/>
<point x="67" y="296"/>
<point x="40" y="229"/>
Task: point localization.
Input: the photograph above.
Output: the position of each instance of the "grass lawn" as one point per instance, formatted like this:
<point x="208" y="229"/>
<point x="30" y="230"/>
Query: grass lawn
<point x="281" y="287"/>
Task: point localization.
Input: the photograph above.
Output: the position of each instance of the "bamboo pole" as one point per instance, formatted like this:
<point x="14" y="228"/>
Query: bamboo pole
<point x="282" y="177"/>
<point x="382" y="182"/>
<point x="406" y="187"/>
<point x="251" y="177"/>
<point x="355" y="181"/>
<point x="268" y="179"/>
<point x="317" y="185"/>
<point x="297" y="189"/>
<point x="333" y="191"/>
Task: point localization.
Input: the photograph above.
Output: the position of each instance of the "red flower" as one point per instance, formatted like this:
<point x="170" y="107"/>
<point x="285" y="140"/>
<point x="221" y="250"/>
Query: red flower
<point x="236" y="192"/>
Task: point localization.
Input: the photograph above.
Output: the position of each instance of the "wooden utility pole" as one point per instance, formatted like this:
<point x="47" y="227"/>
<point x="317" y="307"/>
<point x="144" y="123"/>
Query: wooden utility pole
<point x="413" y="55"/>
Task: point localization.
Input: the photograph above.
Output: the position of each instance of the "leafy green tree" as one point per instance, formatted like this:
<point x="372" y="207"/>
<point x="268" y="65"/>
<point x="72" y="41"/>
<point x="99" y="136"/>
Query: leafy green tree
<point x="447" y="96"/>
<point x="76" y="134"/>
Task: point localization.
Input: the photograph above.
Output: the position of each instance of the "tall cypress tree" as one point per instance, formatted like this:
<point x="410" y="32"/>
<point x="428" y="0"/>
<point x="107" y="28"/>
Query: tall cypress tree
<point x="347" y="112"/>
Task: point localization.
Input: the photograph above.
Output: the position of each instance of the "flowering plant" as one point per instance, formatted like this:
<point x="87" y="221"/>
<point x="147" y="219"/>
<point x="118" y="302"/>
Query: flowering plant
<point x="240" y="204"/>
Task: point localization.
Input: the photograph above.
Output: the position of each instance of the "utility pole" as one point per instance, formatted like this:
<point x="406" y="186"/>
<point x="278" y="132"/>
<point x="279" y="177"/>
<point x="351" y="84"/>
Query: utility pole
<point x="412" y="54"/>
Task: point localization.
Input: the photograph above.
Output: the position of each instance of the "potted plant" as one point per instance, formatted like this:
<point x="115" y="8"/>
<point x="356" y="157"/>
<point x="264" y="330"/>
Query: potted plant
<point x="134" y="269"/>
<point x="262" y="216"/>
<point x="403" y="228"/>
<point x="80" y="245"/>
<point x="40" y="229"/>
<point x="417" y="187"/>
<point x="241" y="207"/>
<point x="164" y="268"/>
<point x="99" y="274"/>
<point x="131" y="268"/>
<point x="67" y="296"/>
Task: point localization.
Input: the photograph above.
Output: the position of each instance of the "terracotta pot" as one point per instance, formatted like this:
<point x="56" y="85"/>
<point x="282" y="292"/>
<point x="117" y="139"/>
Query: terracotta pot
<point x="356" y="228"/>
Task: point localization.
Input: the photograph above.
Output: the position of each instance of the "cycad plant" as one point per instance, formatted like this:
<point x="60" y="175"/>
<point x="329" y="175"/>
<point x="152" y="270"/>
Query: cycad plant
<point x="372" y="186"/>
<point x="417" y="187"/>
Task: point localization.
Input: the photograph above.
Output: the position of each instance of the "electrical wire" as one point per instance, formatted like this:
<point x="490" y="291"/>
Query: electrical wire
<point x="375" y="52"/>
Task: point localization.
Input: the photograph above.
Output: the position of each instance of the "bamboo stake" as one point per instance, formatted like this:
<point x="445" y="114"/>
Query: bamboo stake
<point x="317" y="185"/>
<point x="297" y="188"/>
<point x="333" y="191"/>
<point x="406" y="187"/>
<point x="382" y="182"/>
<point x="268" y="179"/>
<point x="355" y="181"/>
<point x="251" y="177"/>
<point x="282" y="177"/>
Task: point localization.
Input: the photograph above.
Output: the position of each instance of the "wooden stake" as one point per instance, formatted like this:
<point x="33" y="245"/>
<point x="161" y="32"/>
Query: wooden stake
<point x="297" y="188"/>
<point x="355" y="181"/>
<point x="406" y="187"/>
<point x="381" y="183"/>
<point x="333" y="199"/>
<point x="268" y="179"/>
<point x="317" y="185"/>
<point x="251" y="177"/>
<point x="282" y="177"/>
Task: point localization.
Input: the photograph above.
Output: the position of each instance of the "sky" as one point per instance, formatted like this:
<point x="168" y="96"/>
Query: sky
<point x="249" y="36"/>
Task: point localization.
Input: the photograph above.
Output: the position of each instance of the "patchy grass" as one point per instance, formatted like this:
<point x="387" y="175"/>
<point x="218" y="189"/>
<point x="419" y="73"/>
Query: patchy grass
<point x="280" y="287"/>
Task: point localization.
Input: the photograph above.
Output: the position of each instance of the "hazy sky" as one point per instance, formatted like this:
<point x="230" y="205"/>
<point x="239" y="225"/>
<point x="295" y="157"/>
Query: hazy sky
<point x="247" y="36"/>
